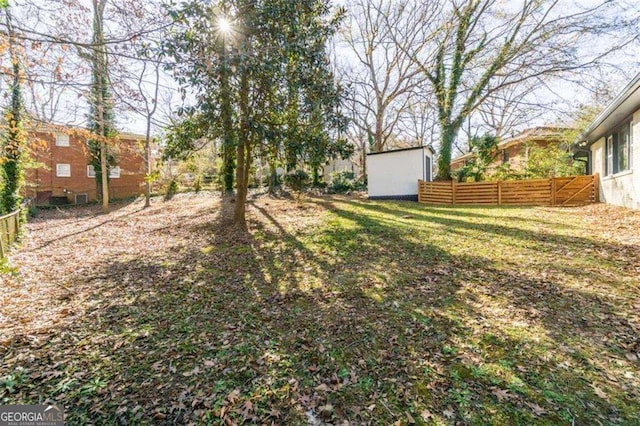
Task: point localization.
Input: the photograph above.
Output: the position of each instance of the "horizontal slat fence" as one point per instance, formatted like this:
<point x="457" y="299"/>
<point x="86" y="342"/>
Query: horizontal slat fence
<point x="9" y="228"/>
<point x="563" y="191"/>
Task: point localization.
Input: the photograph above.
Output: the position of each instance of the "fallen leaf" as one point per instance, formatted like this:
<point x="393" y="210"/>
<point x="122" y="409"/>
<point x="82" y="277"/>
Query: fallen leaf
<point x="426" y="415"/>
<point x="233" y="396"/>
<point x="501" y="394"/>
<point x="600" y="392"/>
<point x="323" y="388"/>
<point x="537" y="410"/>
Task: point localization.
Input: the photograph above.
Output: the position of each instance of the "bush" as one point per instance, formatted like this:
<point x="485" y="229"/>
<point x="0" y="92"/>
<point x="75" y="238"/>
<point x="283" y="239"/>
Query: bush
<point x="344" y="181"/>
<point x="297" y="180"/>
<point x="172" y="189"/>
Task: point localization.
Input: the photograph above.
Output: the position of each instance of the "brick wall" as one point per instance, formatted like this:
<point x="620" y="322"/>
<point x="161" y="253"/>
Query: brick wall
<point x="43" y="182"/>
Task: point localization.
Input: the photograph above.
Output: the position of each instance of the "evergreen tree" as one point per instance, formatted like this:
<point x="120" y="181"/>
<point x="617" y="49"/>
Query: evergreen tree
<point x="261" y="76"/>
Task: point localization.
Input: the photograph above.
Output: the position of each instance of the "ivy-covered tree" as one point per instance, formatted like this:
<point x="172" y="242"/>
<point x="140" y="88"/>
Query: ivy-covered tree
<point x="14" y="143"/>
<point x="480" y="48"/>
<point x="100" y="107"/>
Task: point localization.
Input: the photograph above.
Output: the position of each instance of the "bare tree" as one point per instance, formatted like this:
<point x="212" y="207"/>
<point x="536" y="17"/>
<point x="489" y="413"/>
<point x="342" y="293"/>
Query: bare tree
<point x="483" y="47"/>
<point x="418" y="121"/>
<point x="377" y="34"/>
<point x="100" y="100"/>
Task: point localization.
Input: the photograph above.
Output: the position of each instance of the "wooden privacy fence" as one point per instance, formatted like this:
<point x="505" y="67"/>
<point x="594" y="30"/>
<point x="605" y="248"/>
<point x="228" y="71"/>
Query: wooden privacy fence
<point x="562" y="191"/>
<point x="9" y="227"/>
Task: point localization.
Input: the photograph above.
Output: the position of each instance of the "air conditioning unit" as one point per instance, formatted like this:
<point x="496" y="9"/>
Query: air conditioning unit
<point x="82" y="198"/>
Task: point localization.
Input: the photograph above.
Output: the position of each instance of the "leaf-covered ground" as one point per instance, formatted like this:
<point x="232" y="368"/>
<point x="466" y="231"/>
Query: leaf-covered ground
<point x="328" y="310"/>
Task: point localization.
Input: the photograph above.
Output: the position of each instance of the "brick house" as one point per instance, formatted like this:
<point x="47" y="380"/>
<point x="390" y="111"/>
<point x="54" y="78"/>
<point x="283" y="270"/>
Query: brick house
<point x="64" y="176"/>
<point x="514" y="150"/>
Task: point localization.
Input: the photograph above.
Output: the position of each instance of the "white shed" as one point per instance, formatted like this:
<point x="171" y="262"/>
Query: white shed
<point x="395" y="174"/>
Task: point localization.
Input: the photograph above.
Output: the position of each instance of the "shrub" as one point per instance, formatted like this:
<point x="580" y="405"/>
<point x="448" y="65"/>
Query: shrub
<point x="32" y="210"/>
<point x="172" y="189"/>
<point x="345" y="181"/>
<point x="297" y="180"/>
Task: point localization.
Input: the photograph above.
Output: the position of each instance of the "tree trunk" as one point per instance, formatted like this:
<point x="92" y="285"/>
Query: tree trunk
<point x="105" y="177"/>
<point x="228" y="159"/>
<point x="444" y="159"/>
<point x="100" y="69"/>
<point x="147" y="149"/>
<point x="242" y="154"/>
<point x="273" y="177"/>
<point x="14" y="139"/>
<point x="378" y="142"/>
<point x="363" y="161"/>
<point x="147" y="142"/>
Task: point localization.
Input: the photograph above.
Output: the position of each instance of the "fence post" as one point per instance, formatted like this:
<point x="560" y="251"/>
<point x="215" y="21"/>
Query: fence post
<point x="419" y="190"/>
<point x="596" y="188"/>
<point x="3" y="247"/>
<point x="499" y="192"/>
<point x="553" y="191"/>
<point x="453" y="191"/>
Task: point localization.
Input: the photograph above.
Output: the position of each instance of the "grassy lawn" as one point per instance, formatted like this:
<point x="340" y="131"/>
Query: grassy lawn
<point x="330" y="309"/>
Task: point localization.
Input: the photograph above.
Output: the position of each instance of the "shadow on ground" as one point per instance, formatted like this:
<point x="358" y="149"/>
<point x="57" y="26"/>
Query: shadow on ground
<point x="331" y="309"/>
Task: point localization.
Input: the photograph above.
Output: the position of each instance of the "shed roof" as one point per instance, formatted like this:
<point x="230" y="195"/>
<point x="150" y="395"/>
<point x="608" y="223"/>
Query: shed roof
<point x="429" y="147"/>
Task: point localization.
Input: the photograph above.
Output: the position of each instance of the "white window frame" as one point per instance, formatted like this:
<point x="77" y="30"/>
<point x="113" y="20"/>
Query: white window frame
<point x="91" y="172"/>
<point x="625" y="129"/>
<point x="62" y="139"/>
<point x="608" y="155"/>
<point x="612" y="150"/>
<point x="59" y="172"/>
<point x="114" y="172"/>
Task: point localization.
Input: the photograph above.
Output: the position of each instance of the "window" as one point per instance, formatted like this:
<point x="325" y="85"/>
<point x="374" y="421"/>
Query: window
<point x="114" y="172"/>
<point x="623" y="148"/>
<point x="91" y="172"/>
<point x="618" y="150"/>
<point x="63" y="170"/>
<point x="62" y="139"/>
<point x="608" y="166"/>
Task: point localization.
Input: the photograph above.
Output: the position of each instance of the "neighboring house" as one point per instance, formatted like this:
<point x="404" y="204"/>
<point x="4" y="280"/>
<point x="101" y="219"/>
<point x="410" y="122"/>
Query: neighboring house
<point x="514" y="150"/>
<point x="395" y="174"/>
<point x="64" y="175"/>
<point x="613" y="140"/>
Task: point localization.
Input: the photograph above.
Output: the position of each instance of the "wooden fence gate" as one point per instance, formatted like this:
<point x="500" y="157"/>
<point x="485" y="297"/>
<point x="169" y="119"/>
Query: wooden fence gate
<point x="9" y="227"/>
<point x="562" y="191"/>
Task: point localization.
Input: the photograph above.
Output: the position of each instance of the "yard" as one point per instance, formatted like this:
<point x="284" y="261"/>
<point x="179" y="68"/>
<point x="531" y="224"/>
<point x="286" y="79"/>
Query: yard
<point x="330" y="309"/>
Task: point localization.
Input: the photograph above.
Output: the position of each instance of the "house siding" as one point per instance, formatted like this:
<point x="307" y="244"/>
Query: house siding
<point x="43" y="183"/>
<point x="621" y="189"/>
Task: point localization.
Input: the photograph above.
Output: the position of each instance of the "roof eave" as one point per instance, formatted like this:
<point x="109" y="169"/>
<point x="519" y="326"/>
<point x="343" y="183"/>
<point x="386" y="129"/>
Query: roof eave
<point x="610" y="109"/>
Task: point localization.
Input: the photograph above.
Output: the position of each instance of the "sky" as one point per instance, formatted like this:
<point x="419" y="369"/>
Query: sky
<point x="72" y="107"/>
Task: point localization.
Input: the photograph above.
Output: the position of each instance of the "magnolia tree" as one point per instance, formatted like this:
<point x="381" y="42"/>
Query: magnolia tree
<point x="262" y="84"/>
